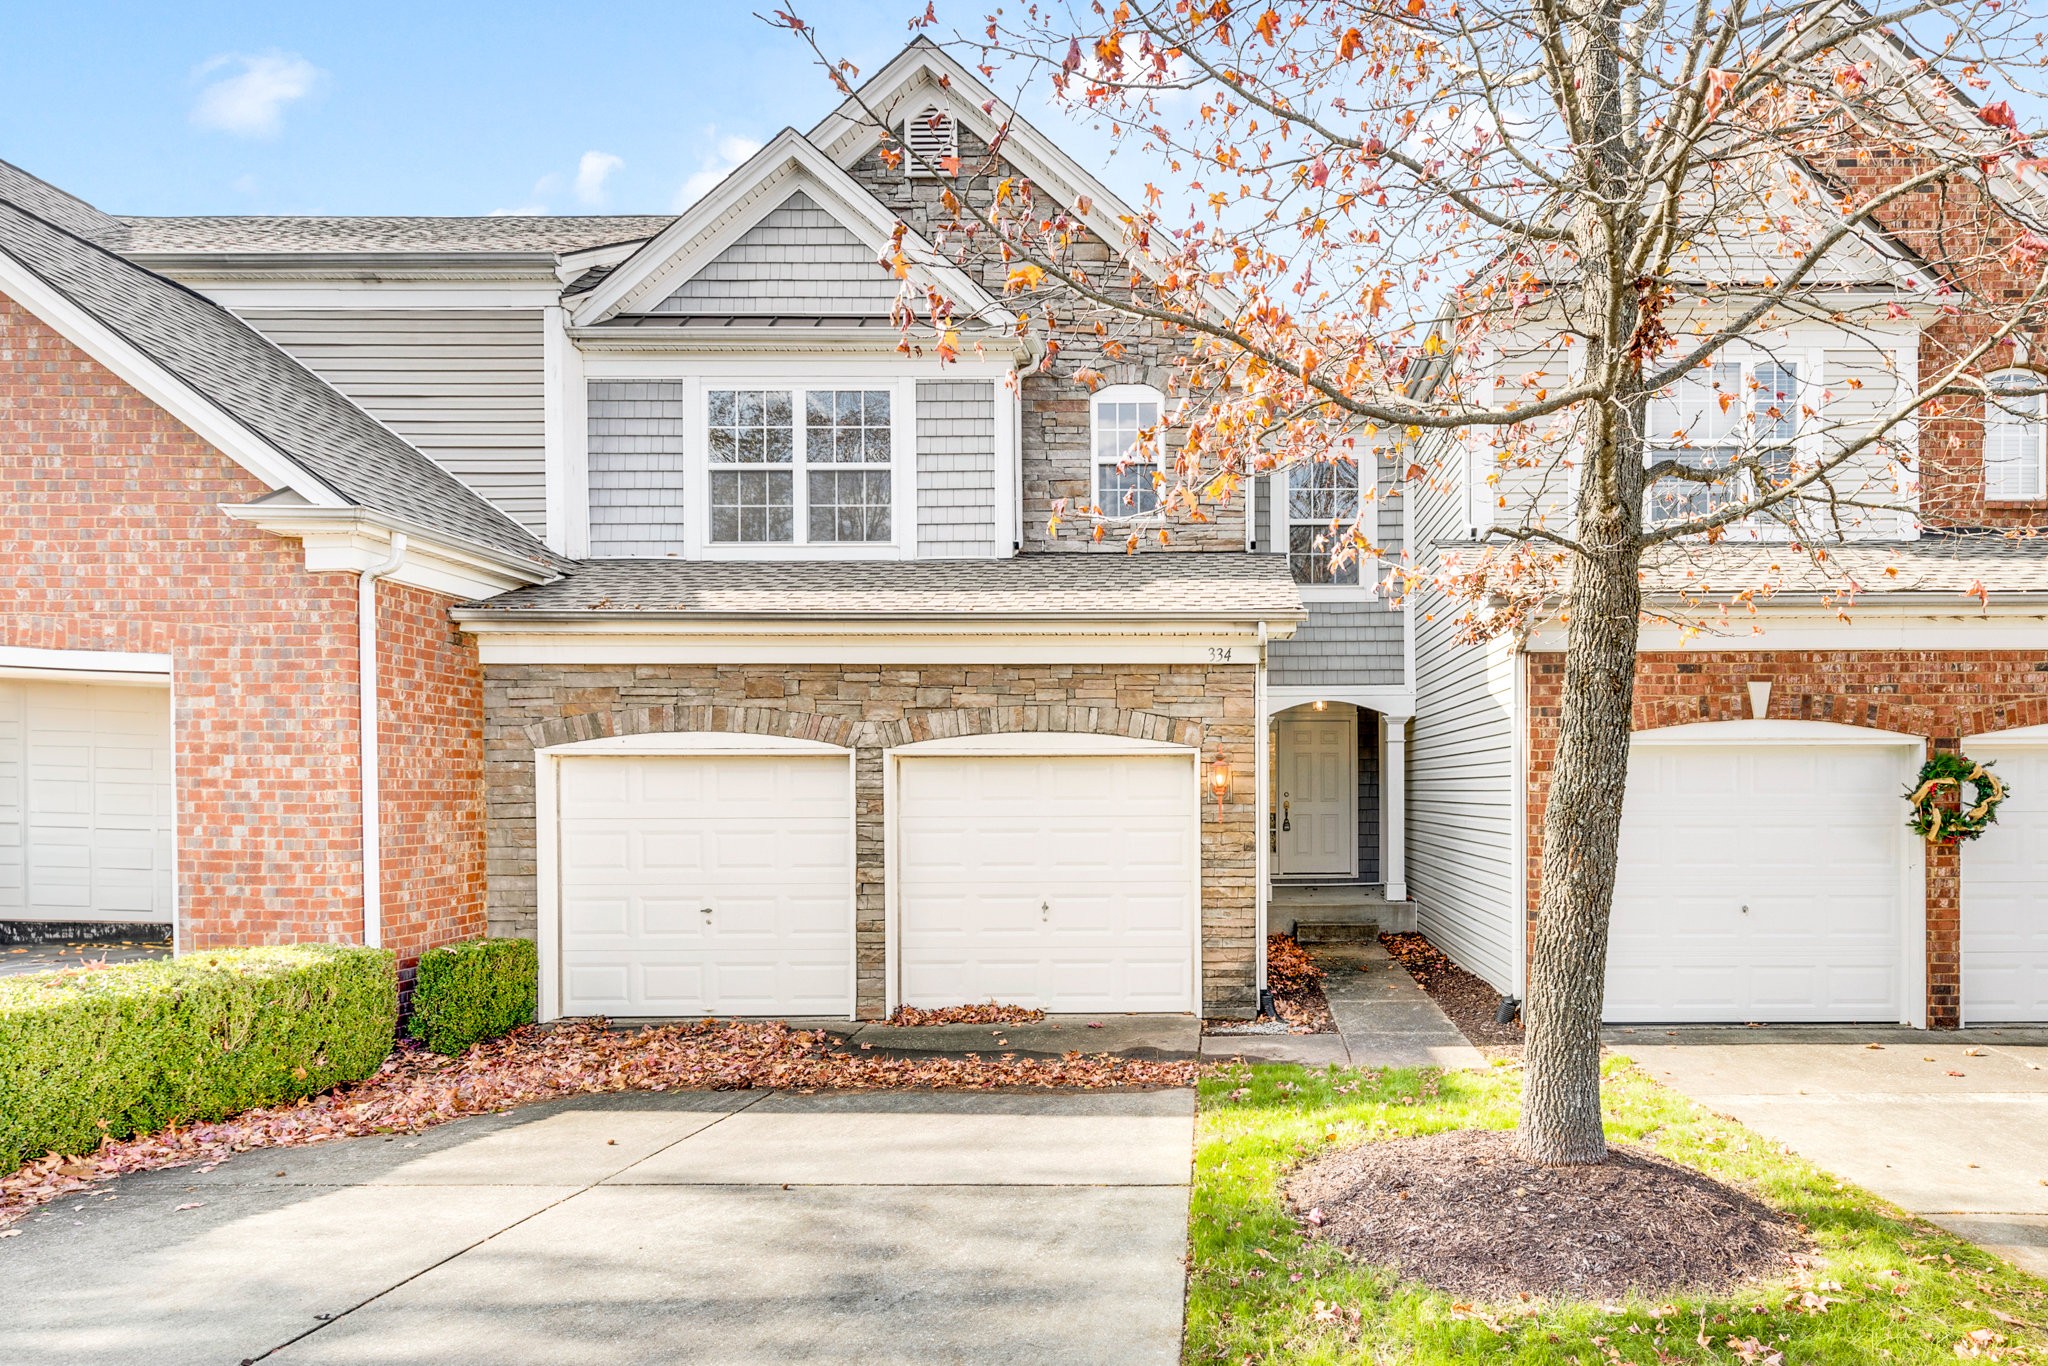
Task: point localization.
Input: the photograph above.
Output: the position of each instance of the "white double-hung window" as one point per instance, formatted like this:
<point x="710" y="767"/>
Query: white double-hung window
<point x="1119" y="416"/>
<point x="2016" y="437"/>
<point x="799" y="466"/>
<point x="1322" y="505"/>
<point x="1714" y="416"/>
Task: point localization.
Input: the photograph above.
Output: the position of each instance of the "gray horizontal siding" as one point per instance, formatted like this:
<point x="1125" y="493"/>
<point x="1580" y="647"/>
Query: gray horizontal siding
<point x="956" y="469"/>
<point x="1461" y="781"/>
<point x="635" y="434"/>
<point x="797" y="260"/>
<point x="1341" y="645"/>
<point x="463" y="385"/>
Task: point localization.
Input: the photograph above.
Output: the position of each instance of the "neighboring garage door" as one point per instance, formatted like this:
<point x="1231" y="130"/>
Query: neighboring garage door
<point x="1760" y="882"/>
<point x="1066" y="882"/>
<point x="705" y="884"/>
<point x="85" y="802"/>
<point x="2005" y="889"/>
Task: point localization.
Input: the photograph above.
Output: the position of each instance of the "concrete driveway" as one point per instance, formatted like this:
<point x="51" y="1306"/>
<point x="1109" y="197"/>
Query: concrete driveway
<point x="729" y="1227"/>
<point x="1952" y="1126"/>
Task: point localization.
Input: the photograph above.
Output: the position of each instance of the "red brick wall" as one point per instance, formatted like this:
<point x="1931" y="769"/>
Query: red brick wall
<point x="430" y="734"/>
<point x="1943" y="695"/>
<point x="112" y="539"/>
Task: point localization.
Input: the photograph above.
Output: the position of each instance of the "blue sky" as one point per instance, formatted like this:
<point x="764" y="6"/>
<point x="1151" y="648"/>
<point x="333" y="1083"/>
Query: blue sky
<point x="425" y="107"/>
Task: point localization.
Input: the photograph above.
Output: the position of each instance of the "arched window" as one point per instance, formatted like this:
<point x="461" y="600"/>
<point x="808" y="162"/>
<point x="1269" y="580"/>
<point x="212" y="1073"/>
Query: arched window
<point x="1123" y="475"/>
<point x="2016" y="437"/>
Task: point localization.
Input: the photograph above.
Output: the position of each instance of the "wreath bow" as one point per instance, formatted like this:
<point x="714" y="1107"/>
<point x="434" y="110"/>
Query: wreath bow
<point x="1938" y="823"/>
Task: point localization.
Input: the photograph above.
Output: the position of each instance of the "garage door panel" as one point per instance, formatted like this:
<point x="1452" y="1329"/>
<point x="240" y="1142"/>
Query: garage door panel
<point x="649" y="842"/>
<point x="1064" y="882"/>
<point x="2005" y="895"/>
<point x="1759" y="882"/>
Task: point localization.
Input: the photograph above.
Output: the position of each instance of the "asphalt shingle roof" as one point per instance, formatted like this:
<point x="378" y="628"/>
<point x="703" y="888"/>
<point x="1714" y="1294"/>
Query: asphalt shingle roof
<point x="1936" y="566"/>
<point x="316" y="235"/>
<point x="1155" y="583"/>
<point x="53" y="205"/>
<point x="268" y="392"/>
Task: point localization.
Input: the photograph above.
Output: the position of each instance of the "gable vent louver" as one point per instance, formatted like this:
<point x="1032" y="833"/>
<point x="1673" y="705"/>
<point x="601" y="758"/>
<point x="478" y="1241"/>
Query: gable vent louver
<point x="929" y="136"/>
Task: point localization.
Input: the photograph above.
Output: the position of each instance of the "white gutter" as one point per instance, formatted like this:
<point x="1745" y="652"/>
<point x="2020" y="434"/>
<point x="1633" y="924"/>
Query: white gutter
<point x="366" y="691"/>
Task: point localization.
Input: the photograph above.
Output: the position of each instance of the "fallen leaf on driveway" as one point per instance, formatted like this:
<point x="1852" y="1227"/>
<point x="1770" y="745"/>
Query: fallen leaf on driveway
<point x="10" y="1233"/>
<point x="196" y="1204"/>
<point x="1952" y="1072"/>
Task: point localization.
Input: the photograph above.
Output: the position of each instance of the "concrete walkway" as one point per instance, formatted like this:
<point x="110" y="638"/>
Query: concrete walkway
<point x="731" y="1227"/>
<point x="1384" y="1019"/>
<point x="1952" y="1127"/>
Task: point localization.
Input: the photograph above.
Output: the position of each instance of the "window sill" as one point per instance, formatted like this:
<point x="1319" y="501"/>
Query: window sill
<point x="1336" y="592"/>
<point x="2016" y="504"/>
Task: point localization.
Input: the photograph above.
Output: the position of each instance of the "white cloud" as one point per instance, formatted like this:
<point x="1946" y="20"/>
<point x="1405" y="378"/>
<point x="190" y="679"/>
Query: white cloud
<point x="248" y="100"/>
<point x="726" y="152"/>
<point x="591" y="172"/>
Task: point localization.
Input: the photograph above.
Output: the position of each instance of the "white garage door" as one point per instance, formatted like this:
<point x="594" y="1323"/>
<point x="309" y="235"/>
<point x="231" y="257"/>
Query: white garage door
<point x="702" y="884"/>
<point x="1760" y="882"/>
<point x="2005" y="894"/>
<point x="85" y="802"/>
<point x="1062" y="882"/>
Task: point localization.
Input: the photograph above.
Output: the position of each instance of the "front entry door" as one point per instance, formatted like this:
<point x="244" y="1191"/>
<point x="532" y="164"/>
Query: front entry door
<point x="1316" y="807"/>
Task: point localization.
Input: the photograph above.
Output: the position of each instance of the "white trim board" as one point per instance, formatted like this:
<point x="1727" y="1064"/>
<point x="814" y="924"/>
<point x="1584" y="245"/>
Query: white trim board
<point x="875" y="646"/>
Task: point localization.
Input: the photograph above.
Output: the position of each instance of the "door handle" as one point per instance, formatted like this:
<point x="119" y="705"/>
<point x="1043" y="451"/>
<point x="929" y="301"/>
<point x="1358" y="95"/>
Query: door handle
<point x="1286" y="813"/>
<point x="1044" y="911"/>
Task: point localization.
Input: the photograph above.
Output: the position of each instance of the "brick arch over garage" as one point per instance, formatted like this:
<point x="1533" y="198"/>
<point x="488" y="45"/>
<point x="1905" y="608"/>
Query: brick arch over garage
<point x="2008" y="715"/>
<point x="1870" y="711"/>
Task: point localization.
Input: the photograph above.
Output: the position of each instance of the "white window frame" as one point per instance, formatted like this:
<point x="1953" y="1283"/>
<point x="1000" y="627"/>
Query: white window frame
<point x="902" y="438"/>
<point x="2037" y="380"/>
<point x="1279" y="522"/>
<point x="1118" y="393"/>
<point x="1807" y="364"/>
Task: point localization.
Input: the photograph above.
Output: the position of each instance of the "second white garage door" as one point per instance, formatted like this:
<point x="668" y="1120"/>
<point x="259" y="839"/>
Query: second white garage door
<point x="1760" y="882"/>
<point x="705" y="884"/>
<point x="1065" y="882"/>
<point x="2005" y="890"/>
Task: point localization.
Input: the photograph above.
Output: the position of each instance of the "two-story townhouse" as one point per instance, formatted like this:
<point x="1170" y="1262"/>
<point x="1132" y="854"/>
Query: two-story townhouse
<point x="767" y="689"/>
<point x="1786" y="694"/>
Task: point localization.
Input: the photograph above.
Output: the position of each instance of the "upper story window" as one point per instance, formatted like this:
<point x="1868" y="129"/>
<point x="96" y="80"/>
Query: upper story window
<point x="1322" y="503"/>
<point x="799" y="466"/>
<point x="1120" y="415"/>
<point x="2016" y="437"/>
<point x="1716" y="414"/>
<point x="930" y="135"/>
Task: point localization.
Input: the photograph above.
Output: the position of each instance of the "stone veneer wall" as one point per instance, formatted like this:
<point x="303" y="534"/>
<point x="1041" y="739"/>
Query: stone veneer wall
<point x="869" y="709"/>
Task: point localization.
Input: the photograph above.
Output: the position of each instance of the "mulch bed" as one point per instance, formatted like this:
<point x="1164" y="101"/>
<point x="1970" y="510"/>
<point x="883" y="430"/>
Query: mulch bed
<point x="989" y="1012"/>
<point x="1465" y="1213"/>
<point x="415" y="1089"/>
<point x="1467" y="999"/>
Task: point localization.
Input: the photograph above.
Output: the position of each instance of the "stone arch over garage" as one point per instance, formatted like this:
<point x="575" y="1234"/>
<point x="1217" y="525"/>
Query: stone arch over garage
<point x="957" y="722"/>
<point x="665" y="719"/>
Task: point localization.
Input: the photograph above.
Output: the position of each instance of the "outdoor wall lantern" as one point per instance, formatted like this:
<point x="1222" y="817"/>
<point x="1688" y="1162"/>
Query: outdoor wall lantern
<point x="1219" y="782"/>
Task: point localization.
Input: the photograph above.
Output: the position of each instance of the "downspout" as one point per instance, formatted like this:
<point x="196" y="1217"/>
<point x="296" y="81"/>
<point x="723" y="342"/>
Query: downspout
<point x="366" y="692"/>
<point x="1264" y="817"/>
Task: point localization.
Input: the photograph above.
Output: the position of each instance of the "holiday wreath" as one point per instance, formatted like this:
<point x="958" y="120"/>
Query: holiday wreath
<point x="1938" y="821"/>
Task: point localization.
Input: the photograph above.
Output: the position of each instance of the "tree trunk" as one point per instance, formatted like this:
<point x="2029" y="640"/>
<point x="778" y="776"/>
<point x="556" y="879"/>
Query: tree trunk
<point x="1581" y="831"/>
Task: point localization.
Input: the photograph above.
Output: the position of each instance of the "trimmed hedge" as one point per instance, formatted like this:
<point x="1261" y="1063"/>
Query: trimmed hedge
<point x="474" y="989"/>
<point x="131" y="1049"/>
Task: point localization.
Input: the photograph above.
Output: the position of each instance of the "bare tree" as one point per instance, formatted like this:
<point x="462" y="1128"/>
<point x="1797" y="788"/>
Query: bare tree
<point x="1567" y="260"/>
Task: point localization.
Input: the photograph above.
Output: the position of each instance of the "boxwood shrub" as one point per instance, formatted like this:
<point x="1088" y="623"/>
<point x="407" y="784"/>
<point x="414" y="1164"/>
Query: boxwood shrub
<point x="130" y="1049"/>
<point x="474" y="989"/>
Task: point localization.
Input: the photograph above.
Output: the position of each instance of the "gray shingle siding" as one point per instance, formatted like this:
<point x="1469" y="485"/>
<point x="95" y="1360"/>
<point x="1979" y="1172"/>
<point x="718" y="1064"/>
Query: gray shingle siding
<point x="798" y="259"/>
<point x="636" y="431"/>
<point x="1341" y="645"/>
<point x="462" y="385"/>
<point x="956" y="469"/>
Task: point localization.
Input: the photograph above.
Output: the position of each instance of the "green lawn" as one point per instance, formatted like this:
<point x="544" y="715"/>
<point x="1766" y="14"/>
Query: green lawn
<point x="1883" y="1288"/>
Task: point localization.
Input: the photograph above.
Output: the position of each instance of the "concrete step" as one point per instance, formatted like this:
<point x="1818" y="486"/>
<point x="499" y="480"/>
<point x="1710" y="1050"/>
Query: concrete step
<point x="1307" y="932"/>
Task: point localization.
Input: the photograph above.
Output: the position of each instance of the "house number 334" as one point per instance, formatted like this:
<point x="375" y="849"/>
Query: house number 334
<point x="1220" y="654"/>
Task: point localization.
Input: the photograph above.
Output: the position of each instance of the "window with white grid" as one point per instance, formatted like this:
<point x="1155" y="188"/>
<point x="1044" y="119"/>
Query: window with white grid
<point x="2016" y="437"/>
<point x="775" y="480"/>
<point x="1121" y="415"/>
<point x="1713" y="416"/>
<point x="1322" y="505"/>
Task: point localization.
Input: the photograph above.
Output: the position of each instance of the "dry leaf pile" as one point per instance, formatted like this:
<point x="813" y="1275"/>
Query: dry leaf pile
<point x="415" y="1089"/>
<point x="988" y="1012"/>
